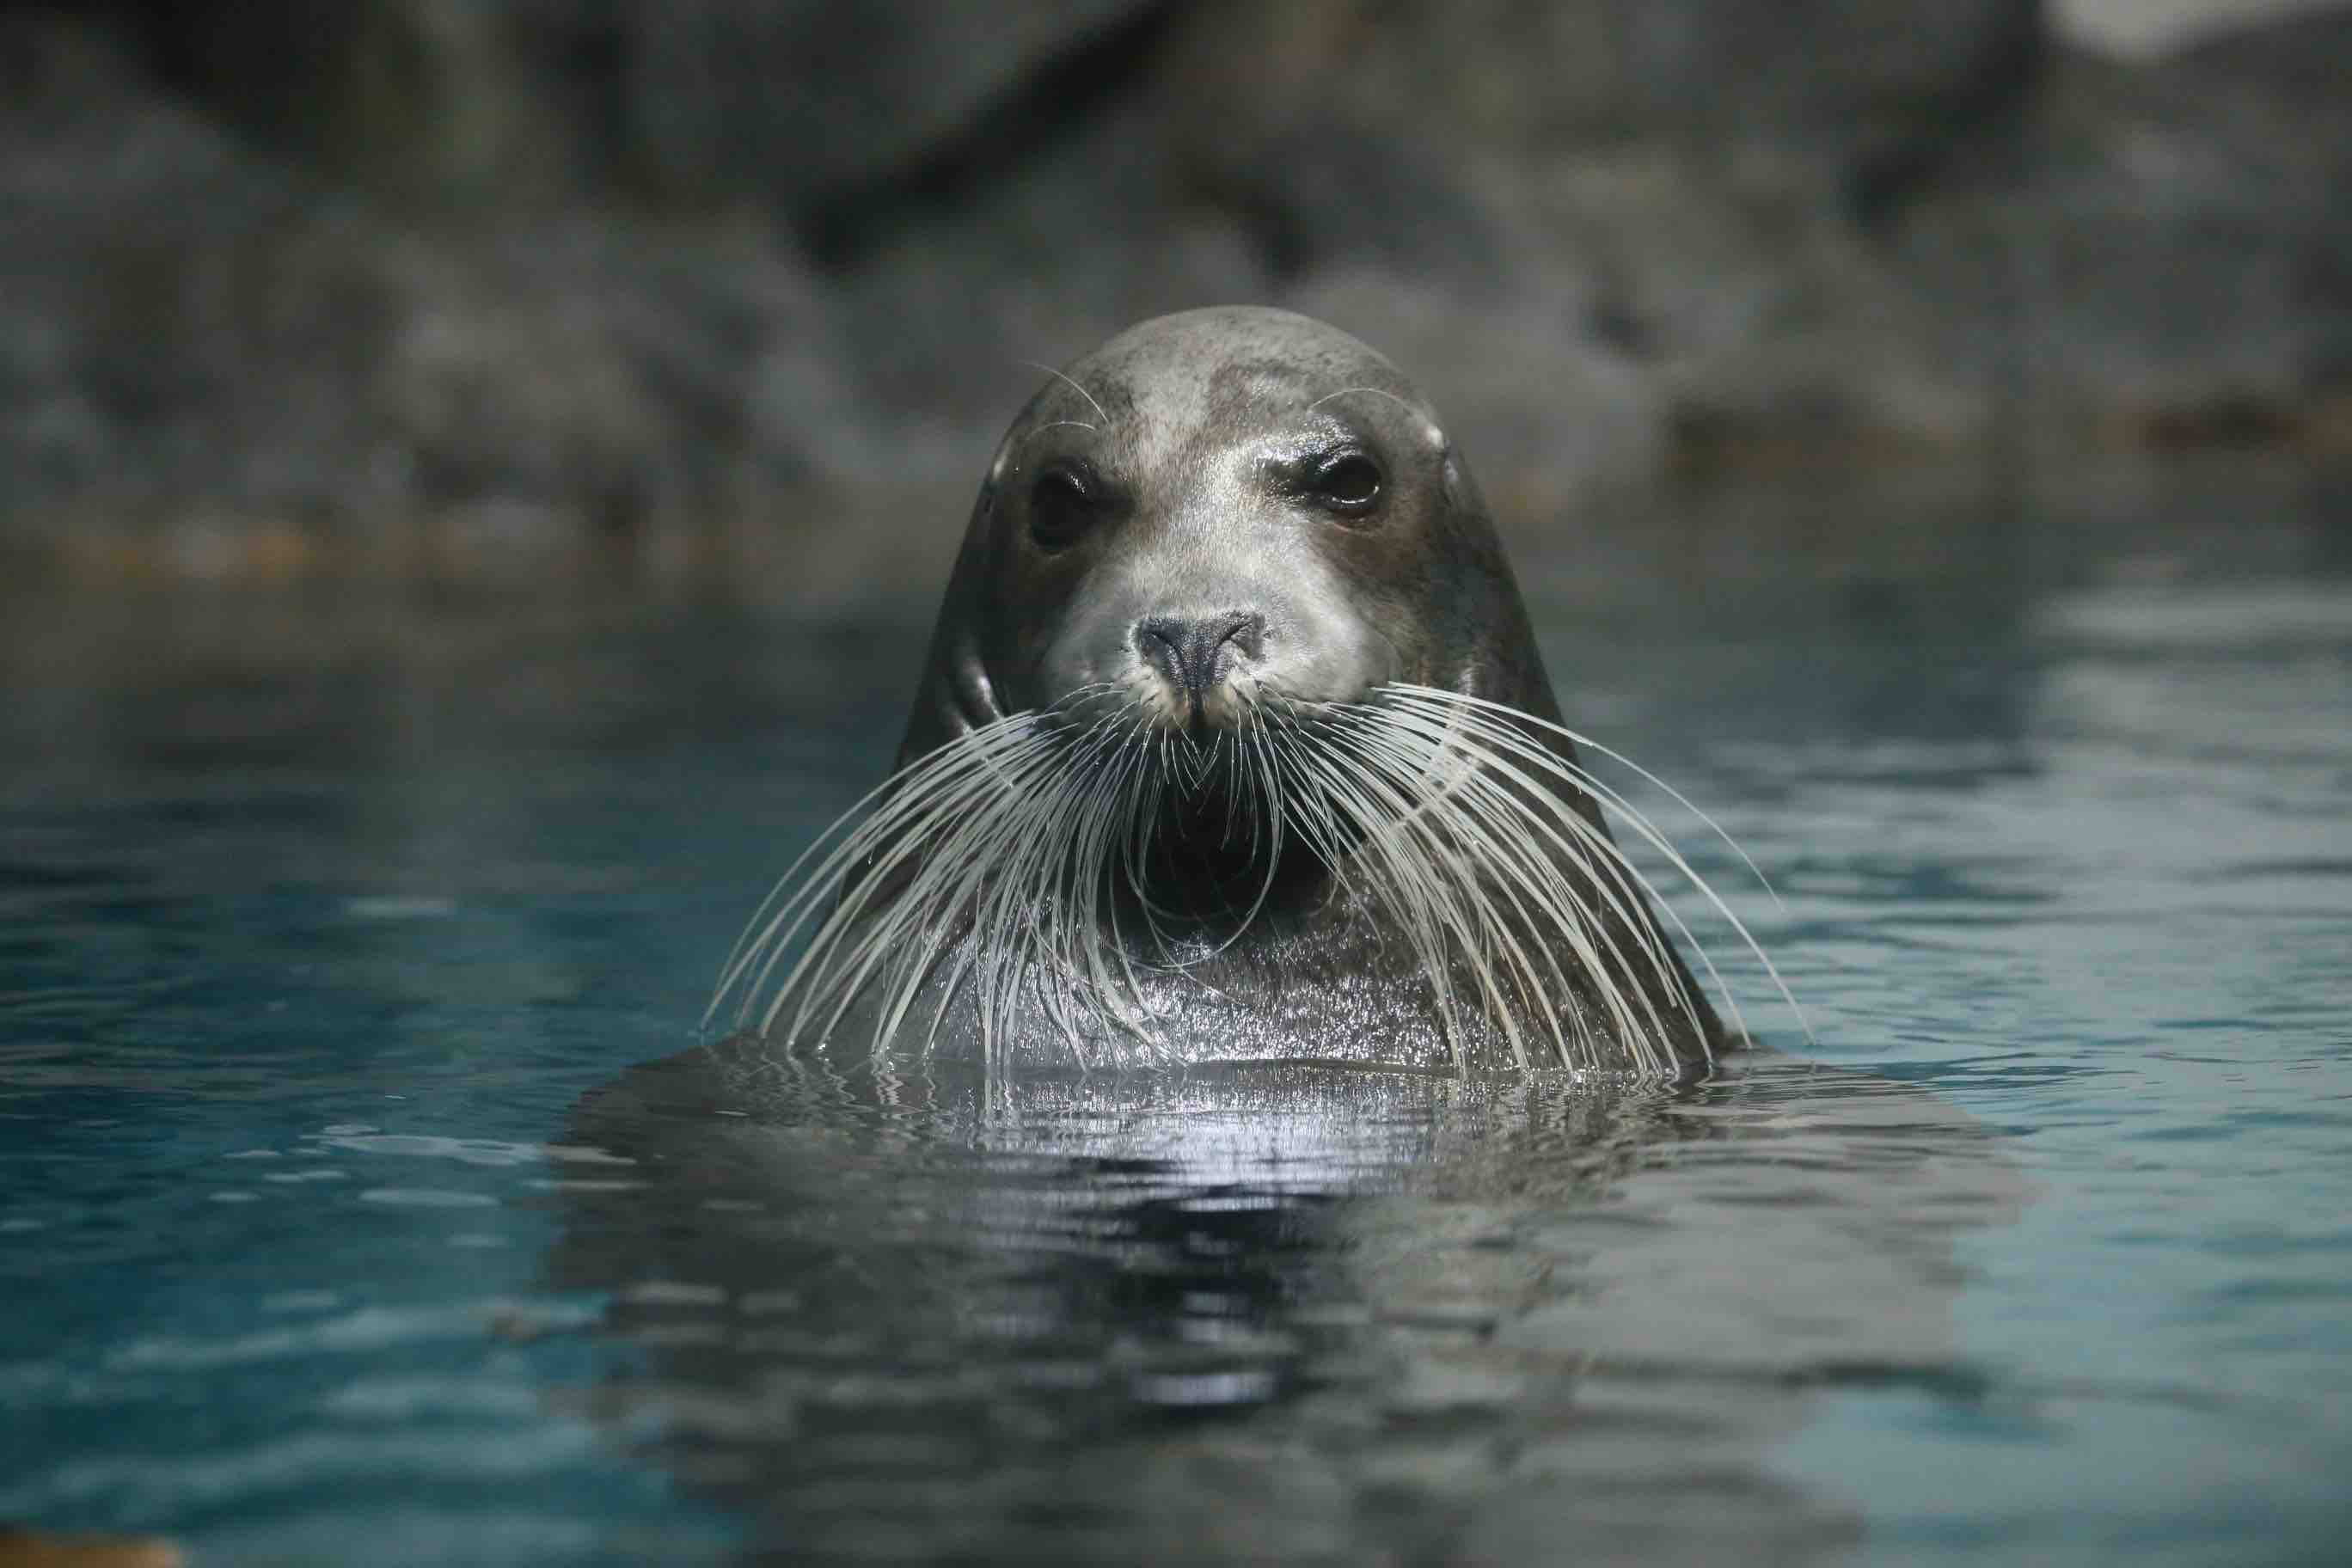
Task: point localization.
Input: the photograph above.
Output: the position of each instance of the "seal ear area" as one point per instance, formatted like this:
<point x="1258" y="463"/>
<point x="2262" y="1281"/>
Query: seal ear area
<point x="1465" y="504"/>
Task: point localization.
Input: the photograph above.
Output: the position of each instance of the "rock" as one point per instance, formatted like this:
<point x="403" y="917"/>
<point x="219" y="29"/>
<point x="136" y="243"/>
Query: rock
<point x="2171" y="254"/>
<point x="1852" y="98"/>
<point x="810" y="100"/>
<point x="2302" y="55"/>
<point x="2291" y="69"/>
<point x="181" y="324"/>
<point x="475" y="102"/>
<point x="556" y="270"/>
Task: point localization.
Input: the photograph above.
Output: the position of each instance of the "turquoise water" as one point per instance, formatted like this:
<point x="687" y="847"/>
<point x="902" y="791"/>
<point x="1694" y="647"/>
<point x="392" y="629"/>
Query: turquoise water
<point x="322" y="917"/>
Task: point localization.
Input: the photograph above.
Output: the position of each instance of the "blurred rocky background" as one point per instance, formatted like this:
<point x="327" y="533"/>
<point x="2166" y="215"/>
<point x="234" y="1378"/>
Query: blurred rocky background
<point x="473" y="285"/>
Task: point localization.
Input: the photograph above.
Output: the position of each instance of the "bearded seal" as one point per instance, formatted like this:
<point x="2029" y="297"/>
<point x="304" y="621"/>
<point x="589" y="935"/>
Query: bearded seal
<point x="1233" y="744"/>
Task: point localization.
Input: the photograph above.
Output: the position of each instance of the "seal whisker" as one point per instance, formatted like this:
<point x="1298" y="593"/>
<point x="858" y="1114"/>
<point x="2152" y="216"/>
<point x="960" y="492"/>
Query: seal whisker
<point x="1403" y="403"/>
<point x="1379" y="741"/>
<point x="1074" y="386"/>
<point x="1526" y="880"/>
<point x="951" y="785"/>
<point x="1429" y="905"/>
<point x="1641" y="827"/>
<point x="1435" y="694"/>
<point x="1028" y="898"/>
<point x="1030" y="864"/>
<point x="1090" y="872"/>
<point x="760" y="932"/>
<point x="941" y="859"/>
<point x="1594" y="843"/>
<point x="1566" y="833"/>
<point x="880" y="833"/>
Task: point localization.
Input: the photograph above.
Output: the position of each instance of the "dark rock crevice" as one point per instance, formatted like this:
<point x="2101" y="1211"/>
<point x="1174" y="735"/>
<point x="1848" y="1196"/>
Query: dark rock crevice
<point x="842" y="225"/>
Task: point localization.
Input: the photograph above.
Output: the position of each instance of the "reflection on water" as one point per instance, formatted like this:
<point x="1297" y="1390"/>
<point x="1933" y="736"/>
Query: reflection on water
<point x="1348" y="1316"/>
<point x="359" y="1206"/>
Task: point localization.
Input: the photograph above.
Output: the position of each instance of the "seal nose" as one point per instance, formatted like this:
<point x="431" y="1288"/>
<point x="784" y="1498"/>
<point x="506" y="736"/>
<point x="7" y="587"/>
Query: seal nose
<point x="1195" y="655"/>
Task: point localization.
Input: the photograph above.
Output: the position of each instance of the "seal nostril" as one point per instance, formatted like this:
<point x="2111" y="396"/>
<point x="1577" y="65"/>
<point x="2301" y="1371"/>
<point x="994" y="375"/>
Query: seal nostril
<point x="1161" y="641"/>
<point x="1245" y="632"/>
<point x="1195" y="655"/>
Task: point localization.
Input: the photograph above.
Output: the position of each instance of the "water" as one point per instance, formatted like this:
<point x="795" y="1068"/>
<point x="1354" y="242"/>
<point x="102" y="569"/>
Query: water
<point x="323" y="916"/>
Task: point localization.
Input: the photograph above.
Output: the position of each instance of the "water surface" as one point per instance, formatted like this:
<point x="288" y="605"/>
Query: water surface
<point x="356" y="1209"/>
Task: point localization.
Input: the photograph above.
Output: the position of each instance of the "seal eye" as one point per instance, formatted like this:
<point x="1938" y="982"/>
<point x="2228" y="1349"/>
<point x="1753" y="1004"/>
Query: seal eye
<point x="1060" y="508"/>
<point x="1346" y="482"/>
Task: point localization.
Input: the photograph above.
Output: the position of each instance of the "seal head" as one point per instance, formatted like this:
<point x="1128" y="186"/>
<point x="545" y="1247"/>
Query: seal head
<point x="1233" y="742"/>
<point x="1213" y="505"/>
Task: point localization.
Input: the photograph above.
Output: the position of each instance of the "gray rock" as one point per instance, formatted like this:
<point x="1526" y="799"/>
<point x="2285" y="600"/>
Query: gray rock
<point x="181" y="325"/>
<point x="2172" y="255"/>
<point x="1853" y="97"/>
<point x="554" y="269"/>
<point x="800" y="99"/>
<point x="2301" y="56"/>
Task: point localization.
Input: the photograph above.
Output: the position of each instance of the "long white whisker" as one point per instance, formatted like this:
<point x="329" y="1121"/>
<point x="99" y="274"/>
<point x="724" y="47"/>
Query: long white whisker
<point x="1641" y="825"/>
<point x="1010" y="882"/>
<point x="1074" y="386"/>
<point x="1568" y="834"/>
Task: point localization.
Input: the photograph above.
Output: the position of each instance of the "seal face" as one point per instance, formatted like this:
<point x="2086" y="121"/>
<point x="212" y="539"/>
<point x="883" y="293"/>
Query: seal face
<point x="1234" y="742"/>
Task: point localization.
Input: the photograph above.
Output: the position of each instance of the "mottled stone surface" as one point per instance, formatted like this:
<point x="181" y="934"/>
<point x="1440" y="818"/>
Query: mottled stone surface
<point x="542" y="273"/>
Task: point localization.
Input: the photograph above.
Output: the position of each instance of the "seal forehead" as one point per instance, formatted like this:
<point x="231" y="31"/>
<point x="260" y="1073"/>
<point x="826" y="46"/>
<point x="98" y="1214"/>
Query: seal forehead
<point x="1228" y="368"/>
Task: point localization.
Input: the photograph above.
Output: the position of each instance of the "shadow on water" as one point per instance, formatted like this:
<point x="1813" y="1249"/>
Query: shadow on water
<point x="1276" y="1310"/>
